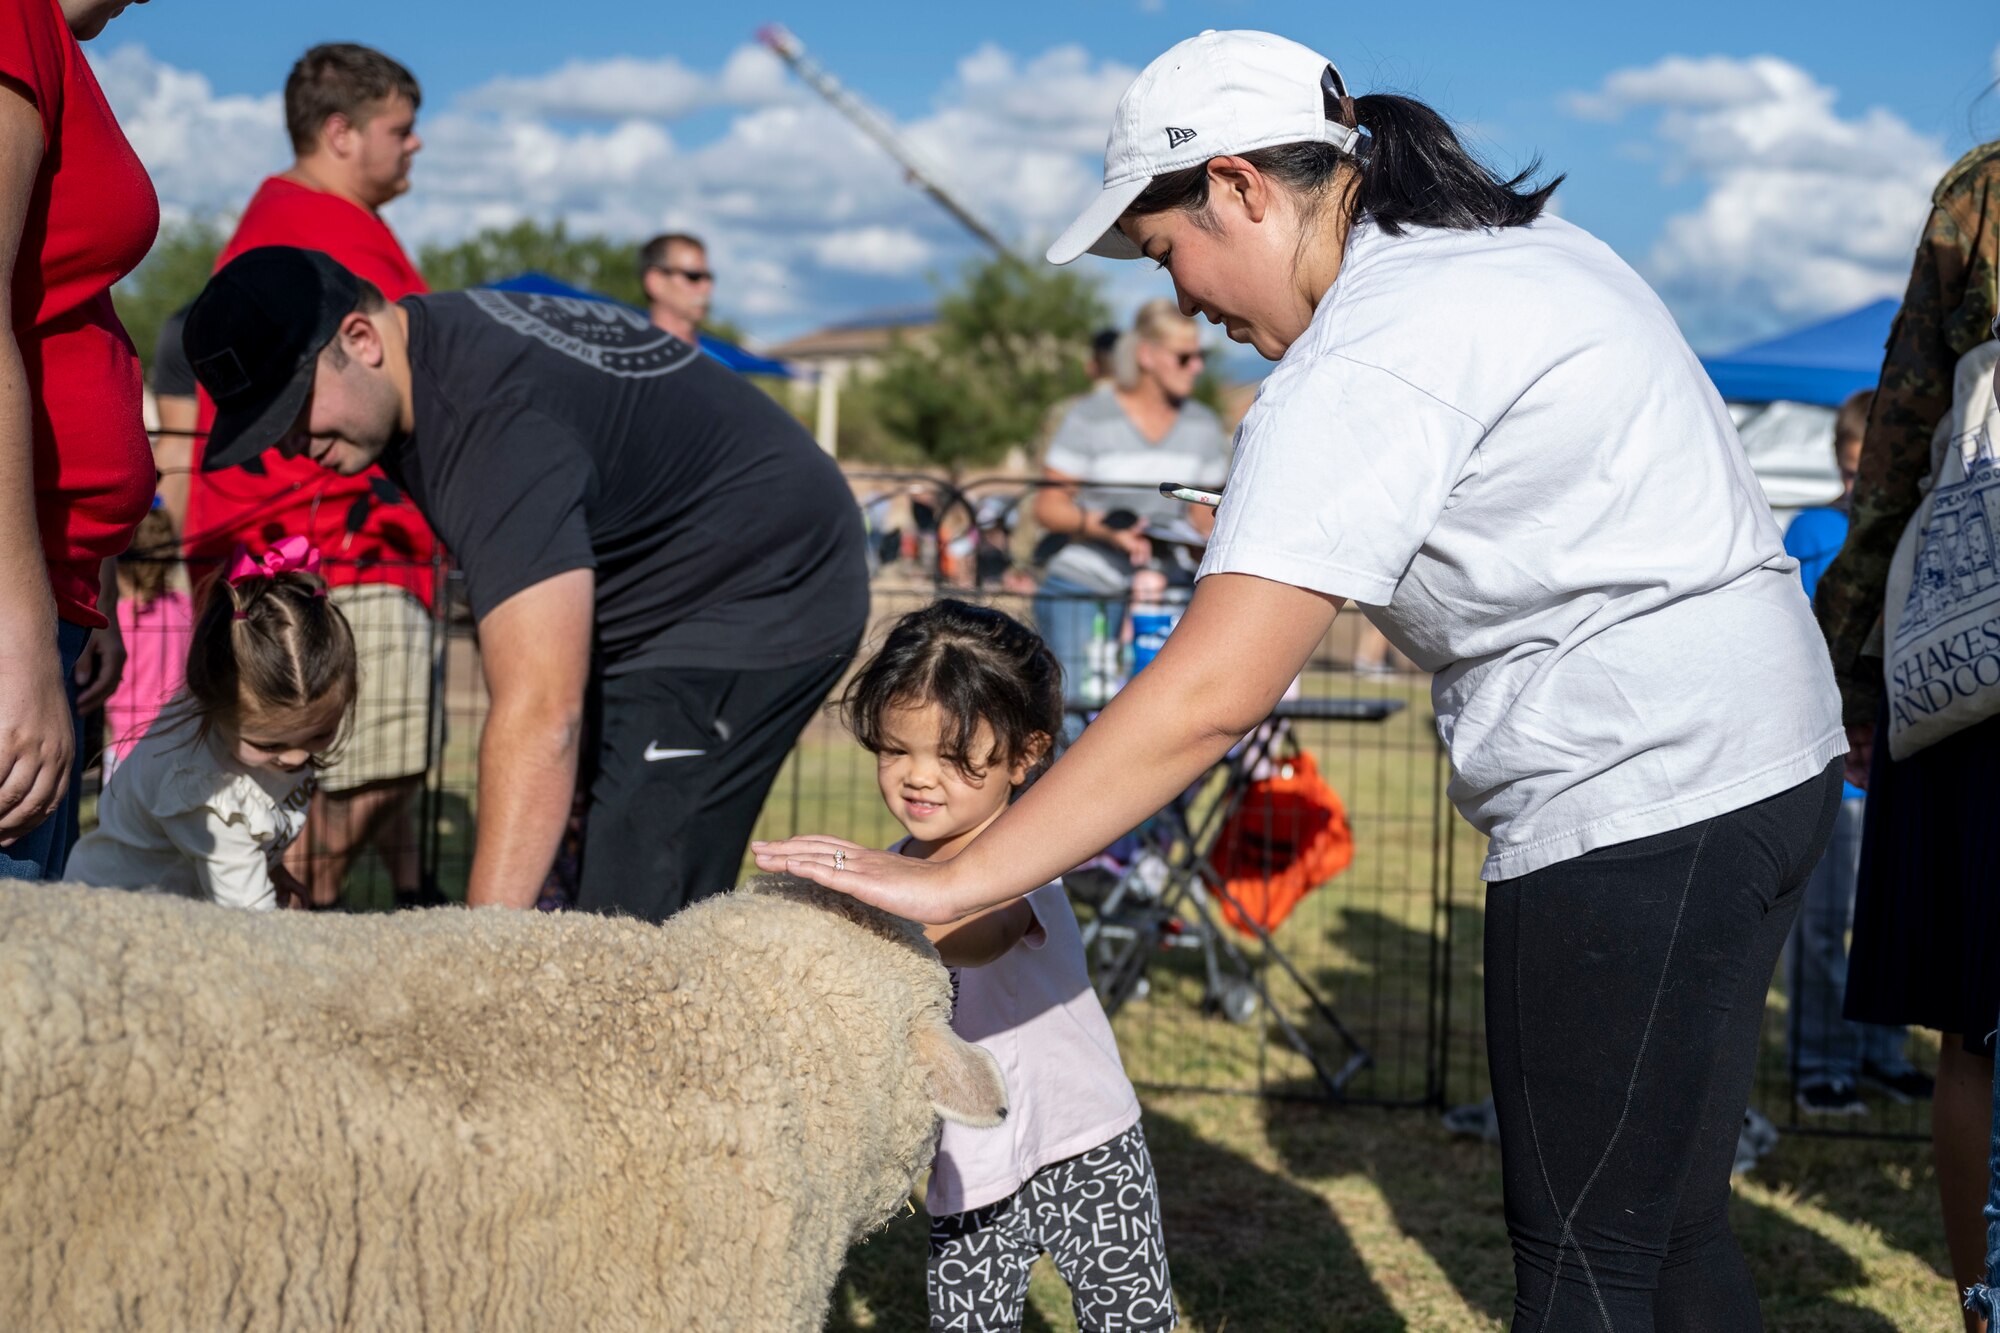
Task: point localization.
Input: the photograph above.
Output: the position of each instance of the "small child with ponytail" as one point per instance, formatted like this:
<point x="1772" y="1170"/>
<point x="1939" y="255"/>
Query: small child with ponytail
<point x="207" y="801"/>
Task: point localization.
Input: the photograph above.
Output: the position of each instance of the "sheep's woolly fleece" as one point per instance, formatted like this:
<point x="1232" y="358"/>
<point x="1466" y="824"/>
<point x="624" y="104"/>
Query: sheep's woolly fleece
<point x="459" y="1120"/>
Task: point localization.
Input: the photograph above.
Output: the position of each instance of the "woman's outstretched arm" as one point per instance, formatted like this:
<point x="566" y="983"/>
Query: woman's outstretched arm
<point x="1242" y="641"/>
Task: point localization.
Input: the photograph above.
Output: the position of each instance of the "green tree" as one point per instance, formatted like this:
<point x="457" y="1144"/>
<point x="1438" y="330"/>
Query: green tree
<point x="173" y="274"/>
<point x="1011" y="341"/>
<point x="595" y="263"/>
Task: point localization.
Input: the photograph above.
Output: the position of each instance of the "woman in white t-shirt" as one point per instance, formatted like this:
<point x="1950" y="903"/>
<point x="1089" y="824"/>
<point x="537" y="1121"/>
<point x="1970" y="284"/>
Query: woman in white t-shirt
<point x="1106" y="460"/>
<point x="1486" y="430"/>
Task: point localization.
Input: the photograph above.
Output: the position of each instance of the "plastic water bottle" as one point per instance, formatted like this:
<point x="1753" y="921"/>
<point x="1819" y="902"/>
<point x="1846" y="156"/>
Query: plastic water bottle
<point x="1100" y="661"/>
<point x="1152" y="620"/>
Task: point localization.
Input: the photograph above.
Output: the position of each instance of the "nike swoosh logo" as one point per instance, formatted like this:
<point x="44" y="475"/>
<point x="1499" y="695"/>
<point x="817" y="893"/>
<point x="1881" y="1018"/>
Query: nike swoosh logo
<point x="654" y="752"/>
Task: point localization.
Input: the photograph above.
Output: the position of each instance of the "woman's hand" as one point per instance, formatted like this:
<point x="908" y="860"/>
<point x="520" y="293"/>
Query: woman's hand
<point x="1133" y="541"/>
<point x="100" y="668"/>
<point x="1860" y="752"/>
<point x="921" y="891"/>
<point x="290" y="893"/>
<point x="37" y="742"/>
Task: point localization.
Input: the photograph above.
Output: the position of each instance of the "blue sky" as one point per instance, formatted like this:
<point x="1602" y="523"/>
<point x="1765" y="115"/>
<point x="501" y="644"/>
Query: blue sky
<point x="1760" y="163"/>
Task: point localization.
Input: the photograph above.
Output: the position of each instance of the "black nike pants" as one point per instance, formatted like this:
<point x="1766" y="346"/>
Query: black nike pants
<point x="683" y="762"/>
<point x="1624" y="997"/>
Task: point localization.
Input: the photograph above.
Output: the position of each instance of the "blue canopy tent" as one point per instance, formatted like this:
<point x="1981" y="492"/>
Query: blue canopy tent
<point x="729" y="354"/>
<point x="1819" y="364"/>
<point x="1783" y="392"/>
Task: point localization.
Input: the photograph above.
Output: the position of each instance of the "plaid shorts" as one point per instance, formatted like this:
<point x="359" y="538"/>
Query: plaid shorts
<point x="391" y="733"/>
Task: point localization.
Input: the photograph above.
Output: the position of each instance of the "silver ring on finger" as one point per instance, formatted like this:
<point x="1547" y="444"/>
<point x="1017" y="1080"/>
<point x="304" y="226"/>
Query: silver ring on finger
<point x="839" y="859"/>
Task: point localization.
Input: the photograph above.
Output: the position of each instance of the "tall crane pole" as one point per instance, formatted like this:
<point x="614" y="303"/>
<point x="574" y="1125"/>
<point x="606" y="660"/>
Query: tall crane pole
<point x="877" y="127"/>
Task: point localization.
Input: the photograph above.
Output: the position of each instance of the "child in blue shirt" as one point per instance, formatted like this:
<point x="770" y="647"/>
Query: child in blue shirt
<point x="1830" y="1056"/>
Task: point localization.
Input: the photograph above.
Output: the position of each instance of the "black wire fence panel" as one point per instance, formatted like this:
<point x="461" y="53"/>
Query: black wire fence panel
<point x="1370" y="991"/>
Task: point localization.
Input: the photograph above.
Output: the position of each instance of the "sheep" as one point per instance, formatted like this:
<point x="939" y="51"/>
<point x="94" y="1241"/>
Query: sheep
<point x="460" y="1119"/>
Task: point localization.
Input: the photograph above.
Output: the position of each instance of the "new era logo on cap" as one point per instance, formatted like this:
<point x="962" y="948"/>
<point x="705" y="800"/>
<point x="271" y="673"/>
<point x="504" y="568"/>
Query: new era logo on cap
<point x="1249" y="90"/>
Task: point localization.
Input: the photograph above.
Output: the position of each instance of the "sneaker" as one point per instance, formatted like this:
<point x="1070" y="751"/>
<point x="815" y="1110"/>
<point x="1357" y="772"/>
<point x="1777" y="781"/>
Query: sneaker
<point x="1476" y="1121"/>
<point x="1831" y="1099"/>
<point x="1758" y="1133"/>
<point x="1754" y="1141"/>
<point x="1904" y="1085"/>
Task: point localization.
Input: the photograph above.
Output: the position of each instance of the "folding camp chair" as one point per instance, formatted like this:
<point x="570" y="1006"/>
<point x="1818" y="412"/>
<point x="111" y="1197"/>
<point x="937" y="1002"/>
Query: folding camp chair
<point x="1168" y="894"/>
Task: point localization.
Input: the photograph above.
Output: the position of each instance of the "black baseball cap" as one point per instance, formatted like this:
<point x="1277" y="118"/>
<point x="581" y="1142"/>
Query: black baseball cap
<point x="254" y="336"/>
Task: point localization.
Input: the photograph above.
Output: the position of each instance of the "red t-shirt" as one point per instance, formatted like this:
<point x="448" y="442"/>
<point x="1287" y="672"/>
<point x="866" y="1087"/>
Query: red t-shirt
<point x="91" y="220"/>
<point x="393" y="544"/>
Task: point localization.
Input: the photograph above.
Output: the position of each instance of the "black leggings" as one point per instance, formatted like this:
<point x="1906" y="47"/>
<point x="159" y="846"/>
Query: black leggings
<point x="1624" y="998"/>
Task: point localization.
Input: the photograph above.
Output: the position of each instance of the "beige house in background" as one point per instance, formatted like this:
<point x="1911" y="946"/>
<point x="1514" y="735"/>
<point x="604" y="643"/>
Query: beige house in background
<point x="851" y="349"/>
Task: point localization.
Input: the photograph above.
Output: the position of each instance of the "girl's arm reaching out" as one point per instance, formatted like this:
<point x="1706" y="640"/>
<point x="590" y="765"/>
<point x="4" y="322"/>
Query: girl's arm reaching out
<point x="984" y="936"/>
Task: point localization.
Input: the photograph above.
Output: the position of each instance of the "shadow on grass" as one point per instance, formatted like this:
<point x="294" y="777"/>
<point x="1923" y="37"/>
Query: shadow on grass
<point x="1250" y="1249"/>
<point x="1798" y="1272"/>
<point x="1890" y="1187"/>
<point x="882" y="1287"/>
<point x="1444" y="1193"/>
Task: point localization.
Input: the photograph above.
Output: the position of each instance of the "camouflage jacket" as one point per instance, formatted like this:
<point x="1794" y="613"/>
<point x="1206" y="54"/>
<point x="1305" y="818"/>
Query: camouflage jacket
<point x="1947" y="311"/>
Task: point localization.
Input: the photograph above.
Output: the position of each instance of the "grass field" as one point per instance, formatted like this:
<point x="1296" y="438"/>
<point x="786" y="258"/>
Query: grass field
<point x="1298" y="1215"/>
<point x="1287" y="1217"/>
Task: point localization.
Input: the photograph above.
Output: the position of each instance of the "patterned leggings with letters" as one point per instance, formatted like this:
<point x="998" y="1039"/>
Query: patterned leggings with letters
<point x="1097" y="1215"/>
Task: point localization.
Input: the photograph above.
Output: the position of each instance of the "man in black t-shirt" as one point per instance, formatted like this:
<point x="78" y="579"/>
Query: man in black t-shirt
<point x="643" y="534"/>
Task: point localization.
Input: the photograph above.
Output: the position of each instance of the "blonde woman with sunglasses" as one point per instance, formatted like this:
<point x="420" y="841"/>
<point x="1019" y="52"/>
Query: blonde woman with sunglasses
<point x="1104" y="465"/>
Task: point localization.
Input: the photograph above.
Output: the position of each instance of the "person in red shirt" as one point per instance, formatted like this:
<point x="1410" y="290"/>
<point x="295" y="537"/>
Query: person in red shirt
<point x="351" y="112"/>
<point x="77" y="213"/>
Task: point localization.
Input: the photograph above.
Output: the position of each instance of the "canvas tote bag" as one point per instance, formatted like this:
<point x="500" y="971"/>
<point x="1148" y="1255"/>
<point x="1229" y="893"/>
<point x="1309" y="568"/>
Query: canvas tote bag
<point x="1941" y="613"/>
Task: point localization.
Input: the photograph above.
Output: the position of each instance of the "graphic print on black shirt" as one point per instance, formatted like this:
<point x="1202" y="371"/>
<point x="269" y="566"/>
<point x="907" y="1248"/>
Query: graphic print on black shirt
<point x="553" y="434"/>
<point x="615" y="339"/>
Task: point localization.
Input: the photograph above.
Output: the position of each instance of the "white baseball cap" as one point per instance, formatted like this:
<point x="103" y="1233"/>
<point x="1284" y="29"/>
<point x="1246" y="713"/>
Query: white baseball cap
<point x="1209" y="96"/>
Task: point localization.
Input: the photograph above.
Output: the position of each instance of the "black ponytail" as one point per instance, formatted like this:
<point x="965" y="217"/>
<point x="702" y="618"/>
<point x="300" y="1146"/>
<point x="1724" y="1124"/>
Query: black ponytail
<point x="1412" y="172"/>
<point x="1416" y="173"/>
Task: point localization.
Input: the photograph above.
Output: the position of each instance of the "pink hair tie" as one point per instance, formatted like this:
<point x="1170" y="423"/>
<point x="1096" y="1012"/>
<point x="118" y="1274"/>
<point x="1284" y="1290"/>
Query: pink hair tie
<point x="288" y="555"/>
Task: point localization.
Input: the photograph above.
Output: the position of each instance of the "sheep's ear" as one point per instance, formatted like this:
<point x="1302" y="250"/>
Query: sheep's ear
<point x="963" y="1080"/>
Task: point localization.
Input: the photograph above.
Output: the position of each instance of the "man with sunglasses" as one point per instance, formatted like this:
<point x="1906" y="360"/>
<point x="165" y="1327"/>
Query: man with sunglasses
<point x="673" y="268"/>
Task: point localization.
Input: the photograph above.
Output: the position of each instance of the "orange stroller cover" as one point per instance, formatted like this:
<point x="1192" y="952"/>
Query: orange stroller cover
<point x="1287" y="837"/>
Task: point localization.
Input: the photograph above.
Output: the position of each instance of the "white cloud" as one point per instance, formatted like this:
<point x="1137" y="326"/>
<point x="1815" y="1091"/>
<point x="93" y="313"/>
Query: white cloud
<point x="895" y="251"/>
<point x="205" y="152"/>
<point x="1691" y="83"/>
<point x="806" y="219"/>
<point x="626" y="87"/>
<point x="1806" y="212"/>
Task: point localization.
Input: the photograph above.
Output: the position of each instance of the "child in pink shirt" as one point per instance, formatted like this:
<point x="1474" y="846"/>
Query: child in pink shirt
<point x="961" y="708"/>
<point x="156" y="621"/>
